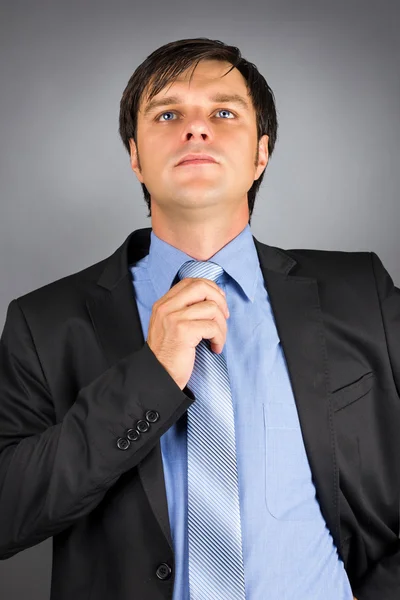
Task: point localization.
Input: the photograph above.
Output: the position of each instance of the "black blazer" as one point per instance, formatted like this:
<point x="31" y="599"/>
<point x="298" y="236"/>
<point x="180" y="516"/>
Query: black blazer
<point x="76" y="374"/>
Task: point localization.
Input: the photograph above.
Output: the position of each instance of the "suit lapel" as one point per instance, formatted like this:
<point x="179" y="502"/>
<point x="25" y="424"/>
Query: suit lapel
<point x="116" y="320"/>
<point x="298" y="316"/>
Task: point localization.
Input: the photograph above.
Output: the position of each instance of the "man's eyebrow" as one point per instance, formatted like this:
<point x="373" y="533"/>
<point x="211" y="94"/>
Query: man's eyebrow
<point x="219" y="97"/>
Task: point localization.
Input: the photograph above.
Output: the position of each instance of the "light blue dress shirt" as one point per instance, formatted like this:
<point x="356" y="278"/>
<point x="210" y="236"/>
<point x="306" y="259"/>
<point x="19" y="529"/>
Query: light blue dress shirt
<point x="288" y="551"/>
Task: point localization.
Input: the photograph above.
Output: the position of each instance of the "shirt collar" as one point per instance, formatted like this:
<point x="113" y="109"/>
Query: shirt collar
<point x="238" y="258"/>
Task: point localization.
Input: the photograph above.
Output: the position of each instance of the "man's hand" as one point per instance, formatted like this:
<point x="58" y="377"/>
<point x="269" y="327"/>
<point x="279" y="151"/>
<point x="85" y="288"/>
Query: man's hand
<point x="193" y="309"/>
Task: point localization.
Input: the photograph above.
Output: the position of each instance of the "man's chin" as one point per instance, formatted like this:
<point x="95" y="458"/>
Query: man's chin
<point x="199" y="198"/>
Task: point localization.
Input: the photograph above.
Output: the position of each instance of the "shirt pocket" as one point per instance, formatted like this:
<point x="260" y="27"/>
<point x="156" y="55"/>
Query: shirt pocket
<point x="289" y="490"/>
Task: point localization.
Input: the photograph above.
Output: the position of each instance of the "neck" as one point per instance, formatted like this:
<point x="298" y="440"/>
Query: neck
<point x="200" y="240"/>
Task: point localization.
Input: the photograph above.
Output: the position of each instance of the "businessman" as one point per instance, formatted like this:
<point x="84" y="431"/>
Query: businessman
<point x="202" y="415"/>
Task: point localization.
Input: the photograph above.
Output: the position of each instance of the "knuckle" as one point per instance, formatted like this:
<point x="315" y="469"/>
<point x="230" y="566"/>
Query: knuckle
<point x="167" y="311"/>
<point x="167" y="317"/>
<point x="158" y="307"/>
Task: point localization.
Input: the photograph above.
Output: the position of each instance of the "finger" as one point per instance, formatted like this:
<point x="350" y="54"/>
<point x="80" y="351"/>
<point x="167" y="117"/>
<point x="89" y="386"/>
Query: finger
<point x="194" y="291"/>
<point x="212" y="330"/>
<point x="187" y="281"/>
<point x="206" y="310"/>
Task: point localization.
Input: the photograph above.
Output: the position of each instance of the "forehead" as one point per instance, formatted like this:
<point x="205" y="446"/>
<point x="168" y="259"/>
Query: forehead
<point x="206" y="76"/>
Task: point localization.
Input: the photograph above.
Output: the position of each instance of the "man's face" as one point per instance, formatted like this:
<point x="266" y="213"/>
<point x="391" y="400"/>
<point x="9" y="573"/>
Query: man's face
<point x="195" y="121"/>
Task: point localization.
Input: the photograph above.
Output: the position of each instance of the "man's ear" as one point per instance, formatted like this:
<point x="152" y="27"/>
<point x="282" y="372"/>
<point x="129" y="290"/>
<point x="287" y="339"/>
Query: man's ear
<point x="135" y="164"/>
<point x="262" y="156"/>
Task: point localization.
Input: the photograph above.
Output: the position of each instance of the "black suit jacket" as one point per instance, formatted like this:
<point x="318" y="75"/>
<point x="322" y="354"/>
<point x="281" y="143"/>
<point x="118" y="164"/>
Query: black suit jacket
<point x="76" y="374"/>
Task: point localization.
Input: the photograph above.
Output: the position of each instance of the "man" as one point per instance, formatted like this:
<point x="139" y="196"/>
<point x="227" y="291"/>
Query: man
<point x="202" y="415"/>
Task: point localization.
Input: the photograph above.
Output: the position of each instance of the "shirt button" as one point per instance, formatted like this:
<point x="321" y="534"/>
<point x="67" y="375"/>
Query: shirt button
<point x="142" y="426"/>
<point x="132" y="435"/>
<point x="123" y="443"/>
<point x="164" y="571"/>
<point x="152" y="416"/>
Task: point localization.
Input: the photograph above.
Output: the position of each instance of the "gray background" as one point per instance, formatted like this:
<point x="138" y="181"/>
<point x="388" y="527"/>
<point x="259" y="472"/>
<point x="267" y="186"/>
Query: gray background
<point x="68" y="197"/>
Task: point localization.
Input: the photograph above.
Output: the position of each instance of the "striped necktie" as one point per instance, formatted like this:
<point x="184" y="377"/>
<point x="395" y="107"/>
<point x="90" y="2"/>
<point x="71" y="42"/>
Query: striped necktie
<point x="216" y="569"/>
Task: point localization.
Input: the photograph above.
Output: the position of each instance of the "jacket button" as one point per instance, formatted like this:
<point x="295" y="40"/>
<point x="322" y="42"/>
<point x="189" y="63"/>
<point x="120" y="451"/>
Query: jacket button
<point x="164" y="571"/>
<point x="123" y="443"/>
<point x="152" y="416"/>
<point x="132" y="435"/>
<point x="142" y="426"/>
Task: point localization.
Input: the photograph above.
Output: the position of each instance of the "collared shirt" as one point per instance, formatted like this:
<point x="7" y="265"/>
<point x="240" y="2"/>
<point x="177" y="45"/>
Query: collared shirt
<point x="288" y="551"/>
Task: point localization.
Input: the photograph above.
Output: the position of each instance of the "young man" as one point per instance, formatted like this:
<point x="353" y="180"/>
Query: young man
<point x="202" y="415"/>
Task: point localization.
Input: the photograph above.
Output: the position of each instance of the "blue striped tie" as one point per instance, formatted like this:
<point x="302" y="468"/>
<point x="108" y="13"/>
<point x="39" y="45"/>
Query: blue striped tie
<point x="214" y="529"/>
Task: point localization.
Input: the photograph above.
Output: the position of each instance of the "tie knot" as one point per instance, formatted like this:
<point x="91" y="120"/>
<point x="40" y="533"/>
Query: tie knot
<point x="200" y="268"/>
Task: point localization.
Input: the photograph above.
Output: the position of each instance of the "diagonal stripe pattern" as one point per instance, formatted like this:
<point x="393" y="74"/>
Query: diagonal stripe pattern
<point x="216" y="569"/>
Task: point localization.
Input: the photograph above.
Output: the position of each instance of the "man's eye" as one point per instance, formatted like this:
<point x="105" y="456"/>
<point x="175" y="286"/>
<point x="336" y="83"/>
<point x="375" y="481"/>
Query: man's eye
<point x="224" y="110"/>
<point x="165" y="113"/>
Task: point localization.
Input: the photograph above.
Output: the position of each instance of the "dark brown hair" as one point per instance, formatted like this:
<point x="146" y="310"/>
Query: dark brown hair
<point x="166" y="63"/>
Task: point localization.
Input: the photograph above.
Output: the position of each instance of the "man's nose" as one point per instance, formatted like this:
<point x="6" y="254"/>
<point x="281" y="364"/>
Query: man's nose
<point x="198" y="128"/>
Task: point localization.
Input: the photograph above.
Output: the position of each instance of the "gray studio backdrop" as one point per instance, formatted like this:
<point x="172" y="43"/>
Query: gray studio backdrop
<point x="68" y="197"/>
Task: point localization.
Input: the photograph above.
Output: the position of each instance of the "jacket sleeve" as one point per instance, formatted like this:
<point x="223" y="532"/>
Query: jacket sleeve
<point x="383" y="580"/>
<point x="53" y="473"/>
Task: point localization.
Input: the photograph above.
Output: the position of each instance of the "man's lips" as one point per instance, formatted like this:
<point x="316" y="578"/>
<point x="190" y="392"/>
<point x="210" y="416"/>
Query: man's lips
<point x="197" y="161"/>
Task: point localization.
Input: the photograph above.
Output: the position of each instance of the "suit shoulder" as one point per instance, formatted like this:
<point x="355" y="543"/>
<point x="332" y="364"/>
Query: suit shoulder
<point x="324" y="264"/>
<point x="67" y="291"/>
<point x="351" y="268"/>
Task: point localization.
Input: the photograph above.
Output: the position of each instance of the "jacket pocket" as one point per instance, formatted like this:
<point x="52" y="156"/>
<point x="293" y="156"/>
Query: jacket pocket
<point x="289" y="490"/>
<point x="352" y="392"/>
